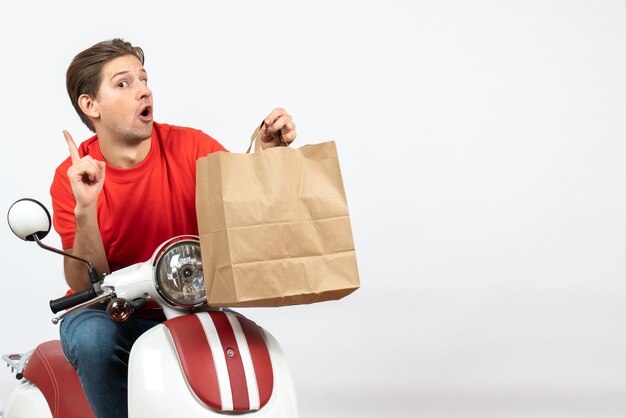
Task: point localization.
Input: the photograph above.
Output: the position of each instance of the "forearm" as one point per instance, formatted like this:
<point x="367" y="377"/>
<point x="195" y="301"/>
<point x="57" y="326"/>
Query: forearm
<point x="87" y="245"/>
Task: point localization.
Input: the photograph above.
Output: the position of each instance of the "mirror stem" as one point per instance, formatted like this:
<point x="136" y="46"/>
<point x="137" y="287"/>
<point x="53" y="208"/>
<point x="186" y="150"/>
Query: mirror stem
<point x="93" y="275"/>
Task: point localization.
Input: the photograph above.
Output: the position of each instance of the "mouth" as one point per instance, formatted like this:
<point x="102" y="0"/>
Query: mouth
<point x="145" y="114"/>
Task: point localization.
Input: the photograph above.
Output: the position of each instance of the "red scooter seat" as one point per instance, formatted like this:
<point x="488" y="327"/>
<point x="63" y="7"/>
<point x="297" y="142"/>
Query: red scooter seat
<point x="57" y="379"/>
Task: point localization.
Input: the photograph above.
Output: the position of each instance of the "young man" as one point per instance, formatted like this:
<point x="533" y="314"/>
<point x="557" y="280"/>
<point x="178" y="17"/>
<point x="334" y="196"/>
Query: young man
<point x="117" y="197"/>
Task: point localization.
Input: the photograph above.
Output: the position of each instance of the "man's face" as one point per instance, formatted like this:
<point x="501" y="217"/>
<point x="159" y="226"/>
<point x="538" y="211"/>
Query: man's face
<point x="124" y="101"/>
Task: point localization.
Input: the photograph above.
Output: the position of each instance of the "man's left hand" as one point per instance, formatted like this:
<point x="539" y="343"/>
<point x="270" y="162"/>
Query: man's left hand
<point x="278" y="120"/>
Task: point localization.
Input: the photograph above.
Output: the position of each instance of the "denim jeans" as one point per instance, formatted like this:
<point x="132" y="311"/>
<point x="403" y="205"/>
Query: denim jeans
<point x="99" y="350"/>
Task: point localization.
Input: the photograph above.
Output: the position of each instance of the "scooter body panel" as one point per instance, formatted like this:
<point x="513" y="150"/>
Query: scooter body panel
<point x="158" y="387"/>
<point x="26" y="401"/>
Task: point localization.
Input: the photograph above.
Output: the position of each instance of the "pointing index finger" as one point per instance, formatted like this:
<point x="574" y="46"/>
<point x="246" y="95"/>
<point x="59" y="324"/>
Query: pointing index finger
<point x="72" y="146"/>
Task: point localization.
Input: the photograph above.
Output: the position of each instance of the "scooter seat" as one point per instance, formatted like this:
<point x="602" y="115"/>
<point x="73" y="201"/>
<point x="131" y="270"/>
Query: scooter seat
<point x="50" y="371"/>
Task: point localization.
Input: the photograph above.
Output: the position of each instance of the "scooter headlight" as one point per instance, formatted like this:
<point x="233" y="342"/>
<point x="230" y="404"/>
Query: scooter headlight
<point x="178" y="277"/>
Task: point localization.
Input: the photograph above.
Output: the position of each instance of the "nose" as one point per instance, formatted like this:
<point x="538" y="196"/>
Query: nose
<point x="143" y="91"/>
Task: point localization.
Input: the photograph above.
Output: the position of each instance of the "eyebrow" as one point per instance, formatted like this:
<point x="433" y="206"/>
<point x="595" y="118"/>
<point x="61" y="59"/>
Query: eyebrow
<point x="126" y="72"/>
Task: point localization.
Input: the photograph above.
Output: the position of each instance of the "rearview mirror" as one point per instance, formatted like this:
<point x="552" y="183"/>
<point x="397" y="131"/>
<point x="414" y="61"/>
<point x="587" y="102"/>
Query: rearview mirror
<point x="28" y="217"/>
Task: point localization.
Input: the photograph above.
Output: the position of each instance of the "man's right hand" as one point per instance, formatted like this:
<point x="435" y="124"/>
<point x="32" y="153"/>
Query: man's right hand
<point x="86" y="176"/>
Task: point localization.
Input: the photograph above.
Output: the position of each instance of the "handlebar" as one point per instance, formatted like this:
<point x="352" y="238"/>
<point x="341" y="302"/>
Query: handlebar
<point x="72" y="300"/>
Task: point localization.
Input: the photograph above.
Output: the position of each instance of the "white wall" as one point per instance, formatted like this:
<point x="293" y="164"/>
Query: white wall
<point x="482" y="146"/>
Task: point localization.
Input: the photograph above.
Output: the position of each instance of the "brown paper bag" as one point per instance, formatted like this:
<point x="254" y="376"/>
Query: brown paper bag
<point x="274" y="227"/>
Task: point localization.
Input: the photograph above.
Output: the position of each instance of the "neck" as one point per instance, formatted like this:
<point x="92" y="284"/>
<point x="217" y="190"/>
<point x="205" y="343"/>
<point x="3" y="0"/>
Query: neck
<point x="123" y="153"/>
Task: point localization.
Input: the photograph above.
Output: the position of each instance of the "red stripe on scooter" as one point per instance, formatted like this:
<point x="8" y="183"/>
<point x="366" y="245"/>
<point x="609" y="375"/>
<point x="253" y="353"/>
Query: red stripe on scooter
<point x="196" y="359"/>
<point x="236" y="373"/>
<point x="260" y="358"/>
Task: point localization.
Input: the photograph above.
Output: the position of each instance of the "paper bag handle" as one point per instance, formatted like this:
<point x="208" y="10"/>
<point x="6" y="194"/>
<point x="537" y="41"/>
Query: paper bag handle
<point x="278" y="139"/>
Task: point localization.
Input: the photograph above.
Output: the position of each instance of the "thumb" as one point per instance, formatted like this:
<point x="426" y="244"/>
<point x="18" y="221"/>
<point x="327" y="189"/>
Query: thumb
<point x="266" y="135"/>
<point x="101" y="170"/>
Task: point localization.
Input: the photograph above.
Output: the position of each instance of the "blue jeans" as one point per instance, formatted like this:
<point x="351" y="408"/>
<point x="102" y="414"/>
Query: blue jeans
<point x="99" y="350"/>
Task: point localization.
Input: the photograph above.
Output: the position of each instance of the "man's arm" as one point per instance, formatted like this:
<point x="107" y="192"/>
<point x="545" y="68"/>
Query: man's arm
<point x="87" y="245"/>
<point x="86" y="177"/>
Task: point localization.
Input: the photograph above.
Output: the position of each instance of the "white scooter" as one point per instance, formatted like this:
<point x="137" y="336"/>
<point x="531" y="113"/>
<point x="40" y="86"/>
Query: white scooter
<point x="201" y="362"/>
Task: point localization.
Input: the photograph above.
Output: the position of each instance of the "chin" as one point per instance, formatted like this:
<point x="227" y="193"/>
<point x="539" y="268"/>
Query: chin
<point x="145" y="132"/>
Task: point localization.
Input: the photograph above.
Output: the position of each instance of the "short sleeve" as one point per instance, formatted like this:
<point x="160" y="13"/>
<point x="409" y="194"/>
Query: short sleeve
<point x="208" y="145"/>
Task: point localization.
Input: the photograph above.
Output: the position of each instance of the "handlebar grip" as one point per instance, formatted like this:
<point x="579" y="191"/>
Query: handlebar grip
<point x="72" y="300"/>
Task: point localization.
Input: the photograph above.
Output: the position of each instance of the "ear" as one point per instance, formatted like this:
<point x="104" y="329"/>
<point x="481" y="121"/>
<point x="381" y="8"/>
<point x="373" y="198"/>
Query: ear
<point x="89" y="106"/>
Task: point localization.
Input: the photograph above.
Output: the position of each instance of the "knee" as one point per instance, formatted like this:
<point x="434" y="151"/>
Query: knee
<point x="90" y="337"/>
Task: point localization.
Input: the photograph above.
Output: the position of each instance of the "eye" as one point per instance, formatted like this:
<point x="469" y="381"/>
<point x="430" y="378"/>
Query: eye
<point x="145" y="81"/>
<point x="122" y="84"/>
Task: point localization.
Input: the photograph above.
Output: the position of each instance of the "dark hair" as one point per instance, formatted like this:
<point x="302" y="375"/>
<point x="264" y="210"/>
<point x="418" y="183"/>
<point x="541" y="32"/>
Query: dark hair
<point x="85" y="71"/>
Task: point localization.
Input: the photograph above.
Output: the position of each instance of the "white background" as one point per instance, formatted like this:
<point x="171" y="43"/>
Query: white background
<point x="483" y="152"/>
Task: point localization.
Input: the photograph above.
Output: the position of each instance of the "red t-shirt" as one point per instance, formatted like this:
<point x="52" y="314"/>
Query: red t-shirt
<point x="140" y="207"/>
